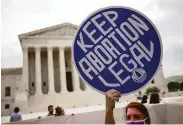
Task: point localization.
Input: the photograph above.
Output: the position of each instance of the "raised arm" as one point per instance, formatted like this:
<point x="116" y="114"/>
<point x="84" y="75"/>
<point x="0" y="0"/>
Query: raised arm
<point x="111" y="96"/>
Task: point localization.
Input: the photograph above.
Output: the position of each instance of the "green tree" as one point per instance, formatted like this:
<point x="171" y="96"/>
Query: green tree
<point x="148" y="90"/>
<point x="153" y="89"/>
<point x="173" y="86"/>
<point x="181" y="86"/>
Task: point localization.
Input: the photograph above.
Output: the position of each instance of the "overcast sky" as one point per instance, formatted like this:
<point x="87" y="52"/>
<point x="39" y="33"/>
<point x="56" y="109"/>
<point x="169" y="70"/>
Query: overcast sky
<point x="21" y="16"/>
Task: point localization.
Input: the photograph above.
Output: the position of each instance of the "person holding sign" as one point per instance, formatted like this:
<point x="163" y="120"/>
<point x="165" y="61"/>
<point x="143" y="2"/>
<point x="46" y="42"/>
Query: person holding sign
<point x="136" y="113"/>
<point x="117" y="51"/>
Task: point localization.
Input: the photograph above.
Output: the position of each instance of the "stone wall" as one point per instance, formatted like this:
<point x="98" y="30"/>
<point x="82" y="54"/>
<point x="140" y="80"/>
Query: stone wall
<point x="12" y="81"/>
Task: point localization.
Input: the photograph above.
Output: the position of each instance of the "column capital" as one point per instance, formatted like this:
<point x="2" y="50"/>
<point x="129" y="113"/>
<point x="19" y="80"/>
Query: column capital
<point x="50" y="48"/>
<point x="61" y="47"/>
<point x="37" y="47"/>
<point x="25" y="48"/>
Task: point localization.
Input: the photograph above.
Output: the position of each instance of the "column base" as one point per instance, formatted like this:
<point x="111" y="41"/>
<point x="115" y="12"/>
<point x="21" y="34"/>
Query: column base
<point x="51" y="93"/>
<point x="37" y="94"/>
<point x="63" y="91"/>
<point x="77" y="90"/>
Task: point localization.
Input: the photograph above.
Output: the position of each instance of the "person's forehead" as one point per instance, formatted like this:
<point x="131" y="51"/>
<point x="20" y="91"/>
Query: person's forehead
<point x="133" y="111"/>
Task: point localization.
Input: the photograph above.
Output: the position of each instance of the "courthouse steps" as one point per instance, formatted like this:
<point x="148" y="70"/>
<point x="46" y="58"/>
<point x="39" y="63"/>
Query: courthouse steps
<point x="80" y="110"/>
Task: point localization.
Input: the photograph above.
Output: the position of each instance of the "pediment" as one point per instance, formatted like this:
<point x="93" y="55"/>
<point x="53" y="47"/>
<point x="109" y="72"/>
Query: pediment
<point x="65" y="29"/>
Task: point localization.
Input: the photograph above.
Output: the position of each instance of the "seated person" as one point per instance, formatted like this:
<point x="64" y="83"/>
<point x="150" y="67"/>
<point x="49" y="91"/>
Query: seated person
<point x="135" y="112"/>
<point x="59" y="111"/>
<point x="16" y="116"/>
<point x="50" y="110"/>
<point x="154" y="99"/>
<point x="144" y="99"/>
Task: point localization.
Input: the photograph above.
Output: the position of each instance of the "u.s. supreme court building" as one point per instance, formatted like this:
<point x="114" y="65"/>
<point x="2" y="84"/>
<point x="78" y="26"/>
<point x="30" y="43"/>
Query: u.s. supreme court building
<point x="48" y="75"/>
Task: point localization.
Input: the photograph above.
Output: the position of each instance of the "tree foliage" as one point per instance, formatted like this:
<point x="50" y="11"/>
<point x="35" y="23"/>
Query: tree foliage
<point x="181" y="86"/>
<point x="173" y="86"/>
<point x="153" y="89"/>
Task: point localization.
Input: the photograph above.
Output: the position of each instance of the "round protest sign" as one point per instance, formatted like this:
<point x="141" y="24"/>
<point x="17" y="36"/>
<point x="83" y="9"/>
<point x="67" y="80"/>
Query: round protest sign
<point x="117" y="48"/>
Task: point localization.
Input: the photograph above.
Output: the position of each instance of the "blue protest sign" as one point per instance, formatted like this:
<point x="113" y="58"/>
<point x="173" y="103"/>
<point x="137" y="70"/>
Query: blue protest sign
<point x="117" y="48"/>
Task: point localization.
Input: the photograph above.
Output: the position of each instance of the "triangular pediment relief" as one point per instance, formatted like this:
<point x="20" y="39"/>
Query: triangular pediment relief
<point x="65" y="29"/>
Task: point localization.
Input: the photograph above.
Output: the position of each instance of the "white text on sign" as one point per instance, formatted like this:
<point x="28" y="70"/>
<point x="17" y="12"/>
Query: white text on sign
<point x="129" y="31"/>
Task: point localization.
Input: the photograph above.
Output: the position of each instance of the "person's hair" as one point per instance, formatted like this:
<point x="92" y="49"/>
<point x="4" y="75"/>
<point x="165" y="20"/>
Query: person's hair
<point x="154" y="98"/>
<point x="144" y="99"/>
<point x="58" y="111"/>
<point x="16" y="109"/>
<point x="49" y="107"/>
<point x="141" y="108"/>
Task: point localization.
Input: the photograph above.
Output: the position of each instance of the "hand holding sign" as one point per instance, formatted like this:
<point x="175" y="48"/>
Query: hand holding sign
<point x="111" y="96"/>
<point x="114" y="48"/>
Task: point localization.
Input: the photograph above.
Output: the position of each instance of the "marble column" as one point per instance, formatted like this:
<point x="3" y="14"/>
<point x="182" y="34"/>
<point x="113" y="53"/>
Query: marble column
<point x="50" y="71"/>
<point x="62" y="70"/>
<point x="25" y="85"/>
<point x="76" y="81"/>
<point x="21" y="96"/>
<point x="84" y="83"/>
<point x="38" y="71"/>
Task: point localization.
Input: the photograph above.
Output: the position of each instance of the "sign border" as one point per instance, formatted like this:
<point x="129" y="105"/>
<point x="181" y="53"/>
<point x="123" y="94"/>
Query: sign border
<point x="123" y="7"/>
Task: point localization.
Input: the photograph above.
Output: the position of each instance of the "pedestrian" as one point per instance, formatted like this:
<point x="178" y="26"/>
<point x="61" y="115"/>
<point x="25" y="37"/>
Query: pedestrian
<point x="16" y="116"/>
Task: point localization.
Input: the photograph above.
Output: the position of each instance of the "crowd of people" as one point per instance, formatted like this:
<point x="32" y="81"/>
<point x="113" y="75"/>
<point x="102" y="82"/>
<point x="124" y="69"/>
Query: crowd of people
<point x="135" y="112"/>
<point x="58" y="111"/>
<point x="154" y="99"/>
